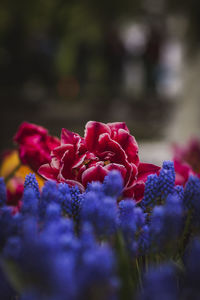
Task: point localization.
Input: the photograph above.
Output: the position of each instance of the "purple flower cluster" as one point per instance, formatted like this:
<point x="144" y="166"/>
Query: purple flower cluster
<point x="67" y="244"/>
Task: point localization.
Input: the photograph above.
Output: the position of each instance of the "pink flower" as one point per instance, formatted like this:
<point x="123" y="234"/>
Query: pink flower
<point x="187" y="161"/>
<point x="183" y="171"/>
<point x="105" y="147"/>
<point x="35" y="145"/>
<point x="15" y="194"/>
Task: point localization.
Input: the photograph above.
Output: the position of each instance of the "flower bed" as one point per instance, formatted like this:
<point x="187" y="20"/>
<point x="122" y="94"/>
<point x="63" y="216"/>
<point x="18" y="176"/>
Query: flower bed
<point x="103" y="226"/>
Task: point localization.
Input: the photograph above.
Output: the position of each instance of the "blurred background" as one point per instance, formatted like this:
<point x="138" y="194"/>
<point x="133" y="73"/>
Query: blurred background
<point x="63" y="63"/>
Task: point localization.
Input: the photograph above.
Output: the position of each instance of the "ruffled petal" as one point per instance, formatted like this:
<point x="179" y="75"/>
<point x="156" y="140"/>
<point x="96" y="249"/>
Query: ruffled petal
<point x="96" y="173"/>
<point x="28" y="129"/>
<point x="106" y="145"/>
<point x="129" y="144"/>
<point x="60" y="151"/>
<point x="117" y="167"/>
<point x="118" y="125"/>
<point x="35" y="145"/>
<point x="66" y="172"/>
<point x="67" y="163"/>
<point x="81" y="148"/>
<point x="128" y="192"/>
<point x="136" y="191"/>
<point x="144" y="170"/>
<point x="80" y="172"/>
<point x="70" y="164"/>
<point x="52" y="142"/>
<point x="68" y="137"/>
<point x="79" y="160"/>
<point x="33" y="156"/>
<point x="183" y="171"/>
<point x="55" y="163"/>
<point x="71" y="182"/>
<point x="48" y="172"/>
<point x="132" y="172"/>
<point x="92" y="132"/>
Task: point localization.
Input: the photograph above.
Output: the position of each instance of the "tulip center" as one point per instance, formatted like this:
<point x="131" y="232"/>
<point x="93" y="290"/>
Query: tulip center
<point x="86" y="161"/>
<point x="106" y="162"/>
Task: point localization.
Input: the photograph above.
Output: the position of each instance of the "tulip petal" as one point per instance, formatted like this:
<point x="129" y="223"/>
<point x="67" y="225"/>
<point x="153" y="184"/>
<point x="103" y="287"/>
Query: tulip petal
<point x="67" y="162"/>
<point x="71" y="182"/>
<point x="144" y="170"/>
<point x="96" y="173"/>
<point x="48" y="172"/>
<point x="183" y="171"/>
<point x="117" y="167"/>
<point x="131" y="174"/>
<point x="28" y="129"/>
<point x="106" y="144"/>
<point x="68" y="137"/>
<point x="35" y="145"/>
<point x="136" y="191"/>
<point x="129" y="144"/>
<point x="52" y="142"/>
<point x="92" y="132"/>
<point x="117" y="126"/>
<point x="58" y="152"/>
<point x="79" y="160"/>
<point x="55" y="163"/>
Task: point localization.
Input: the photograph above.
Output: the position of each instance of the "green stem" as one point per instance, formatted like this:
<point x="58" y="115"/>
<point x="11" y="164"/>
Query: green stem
<point x="14" y="275"/>
<point x="125" y="269"/>
<point x="139" y="273"/>
<point x="146" y="263"/>
<point x="185" y="235"/>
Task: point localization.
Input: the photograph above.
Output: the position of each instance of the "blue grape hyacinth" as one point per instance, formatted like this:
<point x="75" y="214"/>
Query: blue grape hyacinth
<point x="2" y="192"/>
<point x="64" y="243"/>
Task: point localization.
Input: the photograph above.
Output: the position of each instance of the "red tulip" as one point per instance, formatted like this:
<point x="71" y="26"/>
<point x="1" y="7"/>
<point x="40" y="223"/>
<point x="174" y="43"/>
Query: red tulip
<point x="187" y="160"/>
<point x="35" y="145"/>
<point x="105" y="147"/>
